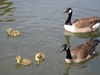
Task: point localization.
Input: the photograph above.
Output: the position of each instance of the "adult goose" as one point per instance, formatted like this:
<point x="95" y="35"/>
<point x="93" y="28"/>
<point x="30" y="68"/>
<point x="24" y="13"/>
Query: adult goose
<point x="81" y="52"/>
<point x="81" y="25"/>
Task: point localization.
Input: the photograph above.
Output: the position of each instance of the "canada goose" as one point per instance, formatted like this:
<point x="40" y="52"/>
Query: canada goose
<point x="39" y="57"/>
<point x="13" y="33"/>
<point x="24" y="62"/>
<point x="80" y="53"/>
<point x="81" y="25"/>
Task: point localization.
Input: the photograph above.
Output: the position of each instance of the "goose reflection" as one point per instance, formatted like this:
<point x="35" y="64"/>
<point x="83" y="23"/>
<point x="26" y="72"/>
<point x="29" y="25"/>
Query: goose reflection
<point x="94" y="34"/>
<point x="5" y="8"/>
<point x="68" y="66"/>
<point x="74" y="66"/>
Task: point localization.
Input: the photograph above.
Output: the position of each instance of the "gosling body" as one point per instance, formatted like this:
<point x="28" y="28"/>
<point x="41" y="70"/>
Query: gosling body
<point x="24" y="62"/>
<point x="13" y="32"/>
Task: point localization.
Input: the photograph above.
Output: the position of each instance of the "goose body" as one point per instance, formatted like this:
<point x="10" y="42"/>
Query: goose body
<point x="13" y="33"/>
<point x="81" y="25"/>
<point x="81" y="52"/>
<point x="24" y="62"/>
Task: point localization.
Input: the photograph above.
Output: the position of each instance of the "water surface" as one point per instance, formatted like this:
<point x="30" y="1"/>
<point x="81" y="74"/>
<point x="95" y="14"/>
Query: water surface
<point x="41" y="25"/>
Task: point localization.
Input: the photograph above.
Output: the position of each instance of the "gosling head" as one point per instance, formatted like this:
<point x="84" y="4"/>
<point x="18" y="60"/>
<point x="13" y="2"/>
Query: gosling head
<point x="9" y="30"/>
<point x="39" y="57"/>
<point x="18" y="58"/>
<point x="68" y="10"/>
<point x="64" y="48"/>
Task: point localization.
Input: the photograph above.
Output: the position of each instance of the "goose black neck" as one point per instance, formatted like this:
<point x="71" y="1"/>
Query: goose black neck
<point x="68" y="21"/>
<point x="68" y="56"/>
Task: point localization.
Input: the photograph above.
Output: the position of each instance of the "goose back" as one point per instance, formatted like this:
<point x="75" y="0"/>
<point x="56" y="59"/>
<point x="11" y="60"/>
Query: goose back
<point x="81" y="25"/>
<point x="86" y="22"/>
<point x="84" y="51"/>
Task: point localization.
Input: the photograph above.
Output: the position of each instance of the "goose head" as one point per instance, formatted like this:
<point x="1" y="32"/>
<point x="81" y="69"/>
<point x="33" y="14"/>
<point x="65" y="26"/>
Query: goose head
<point x="68" y="10"/>
<point x="64" y="48"/>
<point x="68" y="53"/>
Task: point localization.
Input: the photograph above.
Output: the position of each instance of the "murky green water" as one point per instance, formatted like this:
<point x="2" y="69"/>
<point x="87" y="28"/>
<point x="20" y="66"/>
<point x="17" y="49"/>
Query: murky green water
<point x="41" y="25"/>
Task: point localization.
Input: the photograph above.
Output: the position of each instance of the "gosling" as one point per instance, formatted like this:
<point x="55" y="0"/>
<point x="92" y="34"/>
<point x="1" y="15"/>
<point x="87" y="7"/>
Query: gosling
<point x="24" y="62"/>
<point x="39" y="57"/>
<point x="13" y="33"/>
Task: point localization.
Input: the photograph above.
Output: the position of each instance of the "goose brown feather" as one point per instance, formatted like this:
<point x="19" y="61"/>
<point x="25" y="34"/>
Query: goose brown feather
<point x="81" y="25"/>
<point x="81" y="52"/>
<point x="86" y="22"/>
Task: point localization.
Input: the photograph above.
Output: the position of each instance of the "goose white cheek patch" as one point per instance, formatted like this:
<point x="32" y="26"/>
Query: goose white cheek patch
<point x="70" y="11"/>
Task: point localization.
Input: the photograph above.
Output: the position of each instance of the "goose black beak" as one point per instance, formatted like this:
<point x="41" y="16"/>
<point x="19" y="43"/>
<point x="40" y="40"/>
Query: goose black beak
<point x="65" y="12"/>
<point x="63" y="48"/>
<point x="61" y="51"/>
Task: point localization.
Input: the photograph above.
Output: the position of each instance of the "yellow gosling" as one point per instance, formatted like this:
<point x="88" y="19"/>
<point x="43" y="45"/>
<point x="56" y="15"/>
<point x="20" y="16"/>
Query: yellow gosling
<point x="13" y="33"/>
<point x="24" y="62"/>
<point x="39" y="57"/>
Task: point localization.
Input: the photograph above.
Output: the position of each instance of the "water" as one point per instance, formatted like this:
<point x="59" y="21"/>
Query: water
<point x="41" y="25"/>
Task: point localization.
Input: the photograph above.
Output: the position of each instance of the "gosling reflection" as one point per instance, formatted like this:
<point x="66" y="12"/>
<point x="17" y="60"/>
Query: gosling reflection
<point x="5" y="8"/>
